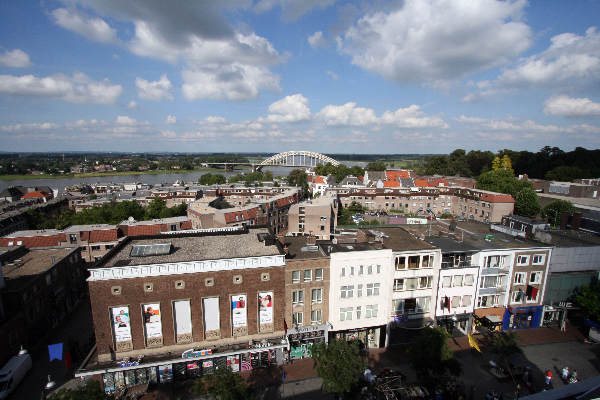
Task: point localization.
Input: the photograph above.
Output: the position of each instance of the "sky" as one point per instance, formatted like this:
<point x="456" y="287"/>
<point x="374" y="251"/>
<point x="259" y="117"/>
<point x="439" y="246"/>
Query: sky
<point x="381" y="76"/>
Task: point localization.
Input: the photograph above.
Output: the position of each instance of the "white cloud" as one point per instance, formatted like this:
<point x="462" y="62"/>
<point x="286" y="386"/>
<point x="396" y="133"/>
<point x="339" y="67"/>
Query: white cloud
<point x="333" y="75"/>
<point x="92" y="28"/>
<point x="155" y="90"/>
<point x="437" y="41"/>
<point x="168" y="134"/>
<point x="571" y="107"/>
<point x="76" y="89"/>
<point x="412" y="117"/>
<point x="569" y="57"/>
<point x="16" y="58"/>
<point x="35" y="126"/>
<point x="317" y="40"/>
<point x="171" y="119"/>
<point x="125" y="120"/>
<point x="132" y="105"/>
<point x="347" y="114"/>
<point x="289" y="109"/>
<point x="214" y="120"/>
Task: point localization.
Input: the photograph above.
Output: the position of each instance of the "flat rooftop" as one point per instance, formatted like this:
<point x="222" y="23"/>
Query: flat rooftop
<point x="155" y="221"/>
<point x="299" y="249"/>
<point x="573" y="238"/>
<point x="397" y="239"/>
<point x="196" y="248"/>
<point x="35" y="262"/>
<point x="94" y="227"/>
<point x="31" y="233"/>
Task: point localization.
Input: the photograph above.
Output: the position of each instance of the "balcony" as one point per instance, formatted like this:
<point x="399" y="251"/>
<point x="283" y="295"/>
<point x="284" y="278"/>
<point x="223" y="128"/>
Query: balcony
<point x="493" y="290"/>
<point x="495" y="271"/>
<point x="461" y="264"/>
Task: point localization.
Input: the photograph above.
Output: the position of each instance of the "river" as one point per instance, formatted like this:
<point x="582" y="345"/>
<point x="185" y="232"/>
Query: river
<point x="62" y="183"/>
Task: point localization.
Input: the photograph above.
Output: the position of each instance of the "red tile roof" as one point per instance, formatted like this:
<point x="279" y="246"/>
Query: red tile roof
<point x="246" y="214"/>
<point x="497" y="198"/>
<point x="393" y="175"/>
<point x="422" y="183"/>
<point x="35" y="241"/>
<point x="105" y="235"/>
<point x="36" y="195"/>
<point x="391" y="184"/>
<point x="319" y="180"/>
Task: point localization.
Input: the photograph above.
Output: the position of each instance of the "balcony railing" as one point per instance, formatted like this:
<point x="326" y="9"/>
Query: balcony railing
<point x="462" y="264"/>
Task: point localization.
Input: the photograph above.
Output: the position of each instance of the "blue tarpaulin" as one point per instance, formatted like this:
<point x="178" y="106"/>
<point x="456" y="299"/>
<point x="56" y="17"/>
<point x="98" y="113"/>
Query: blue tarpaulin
<point x="55" y="351"/>
<point x="592" y="323"/>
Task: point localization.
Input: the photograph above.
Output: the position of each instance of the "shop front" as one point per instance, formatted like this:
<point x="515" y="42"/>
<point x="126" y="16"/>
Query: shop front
<point x="302" y="339"/>
<point x="457" y="324"/>
<point x="192" y="364"/>
<point x="371" y="338"/>
<point x="522" y="317"/>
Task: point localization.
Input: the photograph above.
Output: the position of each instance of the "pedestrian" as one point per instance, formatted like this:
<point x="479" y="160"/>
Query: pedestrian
<point x="548" y="377"/>
<point x="565" y="373"/>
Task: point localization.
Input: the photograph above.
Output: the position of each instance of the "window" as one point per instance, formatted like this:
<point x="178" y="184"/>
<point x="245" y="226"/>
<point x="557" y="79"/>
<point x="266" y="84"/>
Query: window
<point x="466" y="300"/>
<point x="359" y="290"/>
<point x="532" y="294"/>
<point x="520" y="278"/>
<point x="398" y="285"/>
<point x="446" y="281"/>
<point x="319" y="274"/>
<point x="411" y="284"/>
<point x="351" y="271"/>
<point x="371" y="311"/>
<point x="316" y="317"/>
<point x="358" y="312"/>
<point x="346" y="292"/>
<point x="109" y="246"/>
<point x="346" y="314"/>
<point x="237" y="279"/>
<point x="360" y="269"/>
<point x="307" y="275"/>
<point x="535" y="277"/>
<point x="425" y="282"/>
<point x="400" y="263"/>
<point x="317" y="296"/>
<point x="488" y="301"/>
<point x="298" y="297"/>
<point x="373" y="289"/>
<point x="295" y="276"/>
<point x="115" y="290"/>
<point x="398" y="306"/>
<point x="322" y="227"/>
<point x="468" y="281"/>
<point x="343" y="271"/>
<point x="522" y="260"/>
<point x="427" y="261"/>
<point x="370" y="270"/>
<point x="413" y="262"/>
<point x="457" y="280"/>
<point x="538" y="259"/>
<point x="493" y="281"/>
<point x="297" y="318"/>
<point x="516" y="296"/>
<point x="95" y="248"/>
<point x="423" y="304"/>
<point x="455" y="301"/>
<point x="265" y="277"/>
<point x="378" y="268"/>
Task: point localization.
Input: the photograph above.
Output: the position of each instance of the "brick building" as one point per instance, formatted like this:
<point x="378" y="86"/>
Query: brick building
<point x="316" y="217"/>
<point x="220" y="294"/>
<point x="306" y="294"/>
<point x="132" y="227"/>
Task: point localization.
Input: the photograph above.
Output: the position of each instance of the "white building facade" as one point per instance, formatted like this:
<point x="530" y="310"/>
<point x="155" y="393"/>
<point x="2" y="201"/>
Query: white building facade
<point x="360" y="294"/>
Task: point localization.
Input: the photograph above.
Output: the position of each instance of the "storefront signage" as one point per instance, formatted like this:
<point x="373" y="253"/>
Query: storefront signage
<point x="195" y="353"/>
<point x="305" y="329"/>
<point x="125" y="364"/>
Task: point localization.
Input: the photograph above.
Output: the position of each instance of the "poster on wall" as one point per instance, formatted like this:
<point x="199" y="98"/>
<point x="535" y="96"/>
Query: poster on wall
<point x="183" y="317"/>
<point x="165" y="373"/>
<point x="238" y="310"/>
<point x="152" y="320"/>
<point x="121" y="324"/>
<point x="265" y="307"/>
<point x="211" y="313"/>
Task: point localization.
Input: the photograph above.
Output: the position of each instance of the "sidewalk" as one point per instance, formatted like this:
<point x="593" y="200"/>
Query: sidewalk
<point x="528" y="337"/>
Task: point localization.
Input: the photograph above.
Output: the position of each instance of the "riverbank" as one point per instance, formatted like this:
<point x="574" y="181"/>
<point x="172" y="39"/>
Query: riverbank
<point x="105" y="174"/>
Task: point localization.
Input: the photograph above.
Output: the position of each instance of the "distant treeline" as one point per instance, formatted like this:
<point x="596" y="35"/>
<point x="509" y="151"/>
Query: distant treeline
<point x="549" y="163"/>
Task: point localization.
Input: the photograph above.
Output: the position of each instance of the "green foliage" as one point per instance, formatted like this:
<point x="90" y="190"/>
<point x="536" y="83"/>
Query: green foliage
<point x="504" y="343"/>
<point x="223" y="385"/>
<point x="446" y="216"/>
<point x="376" y="166"/>
<point x="339" y="172"/>
<point x="432" y="358"/>
<point x="555" y="209"/>
<point x="457" y="163"/>
<point x="212" y="179"/>
<point x="339" y="364"/>
<point x="527" y="203"/>
<point x="566" y="173"/>
<point x="252" y="177"/>
<point x="297" y="177"/>
<point x="588" y="298"/>
<point x="355" y="207"/>
<point x="90" y="391"/>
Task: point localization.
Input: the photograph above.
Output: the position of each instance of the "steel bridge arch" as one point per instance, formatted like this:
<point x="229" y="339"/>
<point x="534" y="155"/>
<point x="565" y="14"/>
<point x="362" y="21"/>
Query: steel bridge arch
<point x="301" y="156"/>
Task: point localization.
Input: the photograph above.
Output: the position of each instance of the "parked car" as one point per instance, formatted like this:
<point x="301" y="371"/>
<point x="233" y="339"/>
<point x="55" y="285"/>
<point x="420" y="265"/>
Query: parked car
<point x="13" y="373"/>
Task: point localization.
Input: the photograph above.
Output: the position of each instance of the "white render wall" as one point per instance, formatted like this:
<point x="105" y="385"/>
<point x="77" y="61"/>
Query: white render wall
<point x="460" y="291"/>
<point x="355" y="259"/>
<point x="506" y="270"/>
<point x="406" y="273"/>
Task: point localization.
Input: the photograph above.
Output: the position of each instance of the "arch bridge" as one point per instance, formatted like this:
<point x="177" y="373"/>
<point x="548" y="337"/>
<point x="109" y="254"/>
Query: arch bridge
<point x="297" y="159"/>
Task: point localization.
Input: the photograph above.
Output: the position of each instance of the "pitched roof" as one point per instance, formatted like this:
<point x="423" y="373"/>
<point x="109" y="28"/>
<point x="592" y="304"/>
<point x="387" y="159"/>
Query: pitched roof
<point x="391" y="184"/>
<point x="319" y="180"/>
<point x="394" y="175"/>
<point x="497" y="198"/>
<point x="34" y="195"/>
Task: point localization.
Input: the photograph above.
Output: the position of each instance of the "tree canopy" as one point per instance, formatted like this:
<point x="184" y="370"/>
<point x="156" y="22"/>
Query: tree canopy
<point x="339" y="364"/>
<point x="90" y="391"/>
<point x="555" y="209"/>
<point x="527" y="203"/>
<point x="212" y="179"/>
<point x="503" y="181"/>
<point x="223" y="385"/>
<point x="588" y="298"/>
<point x="339" y="172"/>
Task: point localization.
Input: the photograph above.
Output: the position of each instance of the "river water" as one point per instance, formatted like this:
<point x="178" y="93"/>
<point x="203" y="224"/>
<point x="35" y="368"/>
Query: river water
<point x="188" y="177"/>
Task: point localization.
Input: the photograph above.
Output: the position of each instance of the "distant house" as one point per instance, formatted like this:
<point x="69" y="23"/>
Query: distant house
<point x="13" y="193"/>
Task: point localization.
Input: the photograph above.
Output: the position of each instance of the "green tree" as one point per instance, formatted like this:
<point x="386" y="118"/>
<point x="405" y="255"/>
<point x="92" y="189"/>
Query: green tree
<point x="432" y="358"/>
<point x="567" y="173"/>
<point x="376" y="166"/>
<point x="154" y="208"/>
<point x="212" y="179"/>
<point x="588" y="298"/>
<point x="507" y="164"/>
<point x="555" y="209"/>
<point x="527" y="203"/>
<point x="90" y="391"/>
<point x="339" y="364"/>
<point x="496" y="164"/>
<point x="223" y="385"/>
<point x="355" y="207"/>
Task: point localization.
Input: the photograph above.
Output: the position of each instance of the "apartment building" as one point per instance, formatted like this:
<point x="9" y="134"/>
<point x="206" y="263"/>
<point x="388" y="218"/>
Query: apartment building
<point x="94" y="240"/>
<point x="360" y="292"/>
<point x="131" y="227"/>
<point x="177" y="307"/>
<point x="306" y="294"/>
<point x="315" y="217"/>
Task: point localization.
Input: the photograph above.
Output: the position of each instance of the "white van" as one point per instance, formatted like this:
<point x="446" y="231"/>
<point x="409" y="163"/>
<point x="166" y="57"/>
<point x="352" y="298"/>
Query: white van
<point x="13" y="373"/>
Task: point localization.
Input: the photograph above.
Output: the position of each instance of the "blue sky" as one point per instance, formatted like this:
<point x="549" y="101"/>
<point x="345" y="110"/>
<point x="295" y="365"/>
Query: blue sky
<point x="413" y="76"/>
